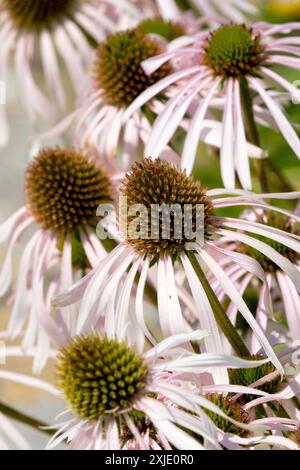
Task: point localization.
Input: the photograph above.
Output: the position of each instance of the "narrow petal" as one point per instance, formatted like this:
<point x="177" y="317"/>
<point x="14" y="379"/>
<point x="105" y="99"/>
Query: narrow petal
<point x="240" y="144"/>
<point x="285" y="127"/>
<point x="226" y="156"/>
<point x="194" y="130"/>
<point x="157" y="88"/>
<point x="213" y="342"/>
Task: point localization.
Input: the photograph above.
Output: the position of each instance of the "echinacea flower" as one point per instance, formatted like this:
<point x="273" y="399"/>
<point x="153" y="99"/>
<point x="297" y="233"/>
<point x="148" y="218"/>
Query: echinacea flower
<point x="230" y="435"/>
<point x="284" y="293"/>
<point x="52" y="32"/>
<point x="153" y="250"/>
<point x="119" y="397"/>
<point x="115" y="394"/>
<point x="117" y="79"/>
<point x="233" y="61"/>
<point x="63" y="190"/>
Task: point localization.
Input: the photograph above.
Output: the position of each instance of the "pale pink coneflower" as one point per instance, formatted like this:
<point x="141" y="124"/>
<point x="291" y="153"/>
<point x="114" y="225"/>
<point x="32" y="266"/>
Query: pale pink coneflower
<point x="121" y="397"/>
<point x="117" y="79"/>
<point x="156" y="256"/>
<point x="63" y="190"/>
<point x="270" y="431"/>
<point x="52" y="33"/>
<point x="232" y="62"/>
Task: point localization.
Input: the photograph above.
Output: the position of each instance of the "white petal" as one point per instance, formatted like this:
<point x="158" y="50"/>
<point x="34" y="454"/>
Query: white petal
<point x="213" y="342"/>
<point x="173" y="341"/>
<point x="29" y="381"/>
<point x="157" y="88"/>
<point x="226" y="156"/>
<point x="282" y="122"/>
<point x="194" y="130"/>
<point x="240" y="144"/>
<point x="170" y="118"/>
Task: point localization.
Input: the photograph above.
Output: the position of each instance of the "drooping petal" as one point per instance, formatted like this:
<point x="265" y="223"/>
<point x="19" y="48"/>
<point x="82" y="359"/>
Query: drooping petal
<point x="284" y="125"/>
<point x="195" y="127"/>
<point x="226" y="156"/>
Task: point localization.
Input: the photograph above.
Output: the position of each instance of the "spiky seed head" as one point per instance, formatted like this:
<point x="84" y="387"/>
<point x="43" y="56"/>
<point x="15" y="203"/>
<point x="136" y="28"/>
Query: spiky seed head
<point x="232" y="409"/>
<point x="64" y="189"/>
<point x="118" y="70"/>
<point x="246" y="377"/>
<point x="152" y="184"/>
<point x="233" y="50"/>
<point x="98" y="375"/>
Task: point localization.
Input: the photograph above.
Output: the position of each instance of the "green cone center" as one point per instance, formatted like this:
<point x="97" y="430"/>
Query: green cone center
<point x="99" y="375"/>
<point x="232" y="51"/>
<point x="118" y="70"/>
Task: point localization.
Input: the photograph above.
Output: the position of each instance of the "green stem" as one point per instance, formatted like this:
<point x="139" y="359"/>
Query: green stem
<point x="221" y="318"/>
<point x="252" y="132"/>
<point x="25" y="419"/>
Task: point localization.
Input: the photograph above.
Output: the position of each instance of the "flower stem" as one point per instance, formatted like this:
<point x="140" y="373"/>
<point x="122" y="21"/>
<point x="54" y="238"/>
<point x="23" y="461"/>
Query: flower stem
<point x="252" y="132"/>
<point x="221" y="317"/>
<point x="25" y="419"/>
